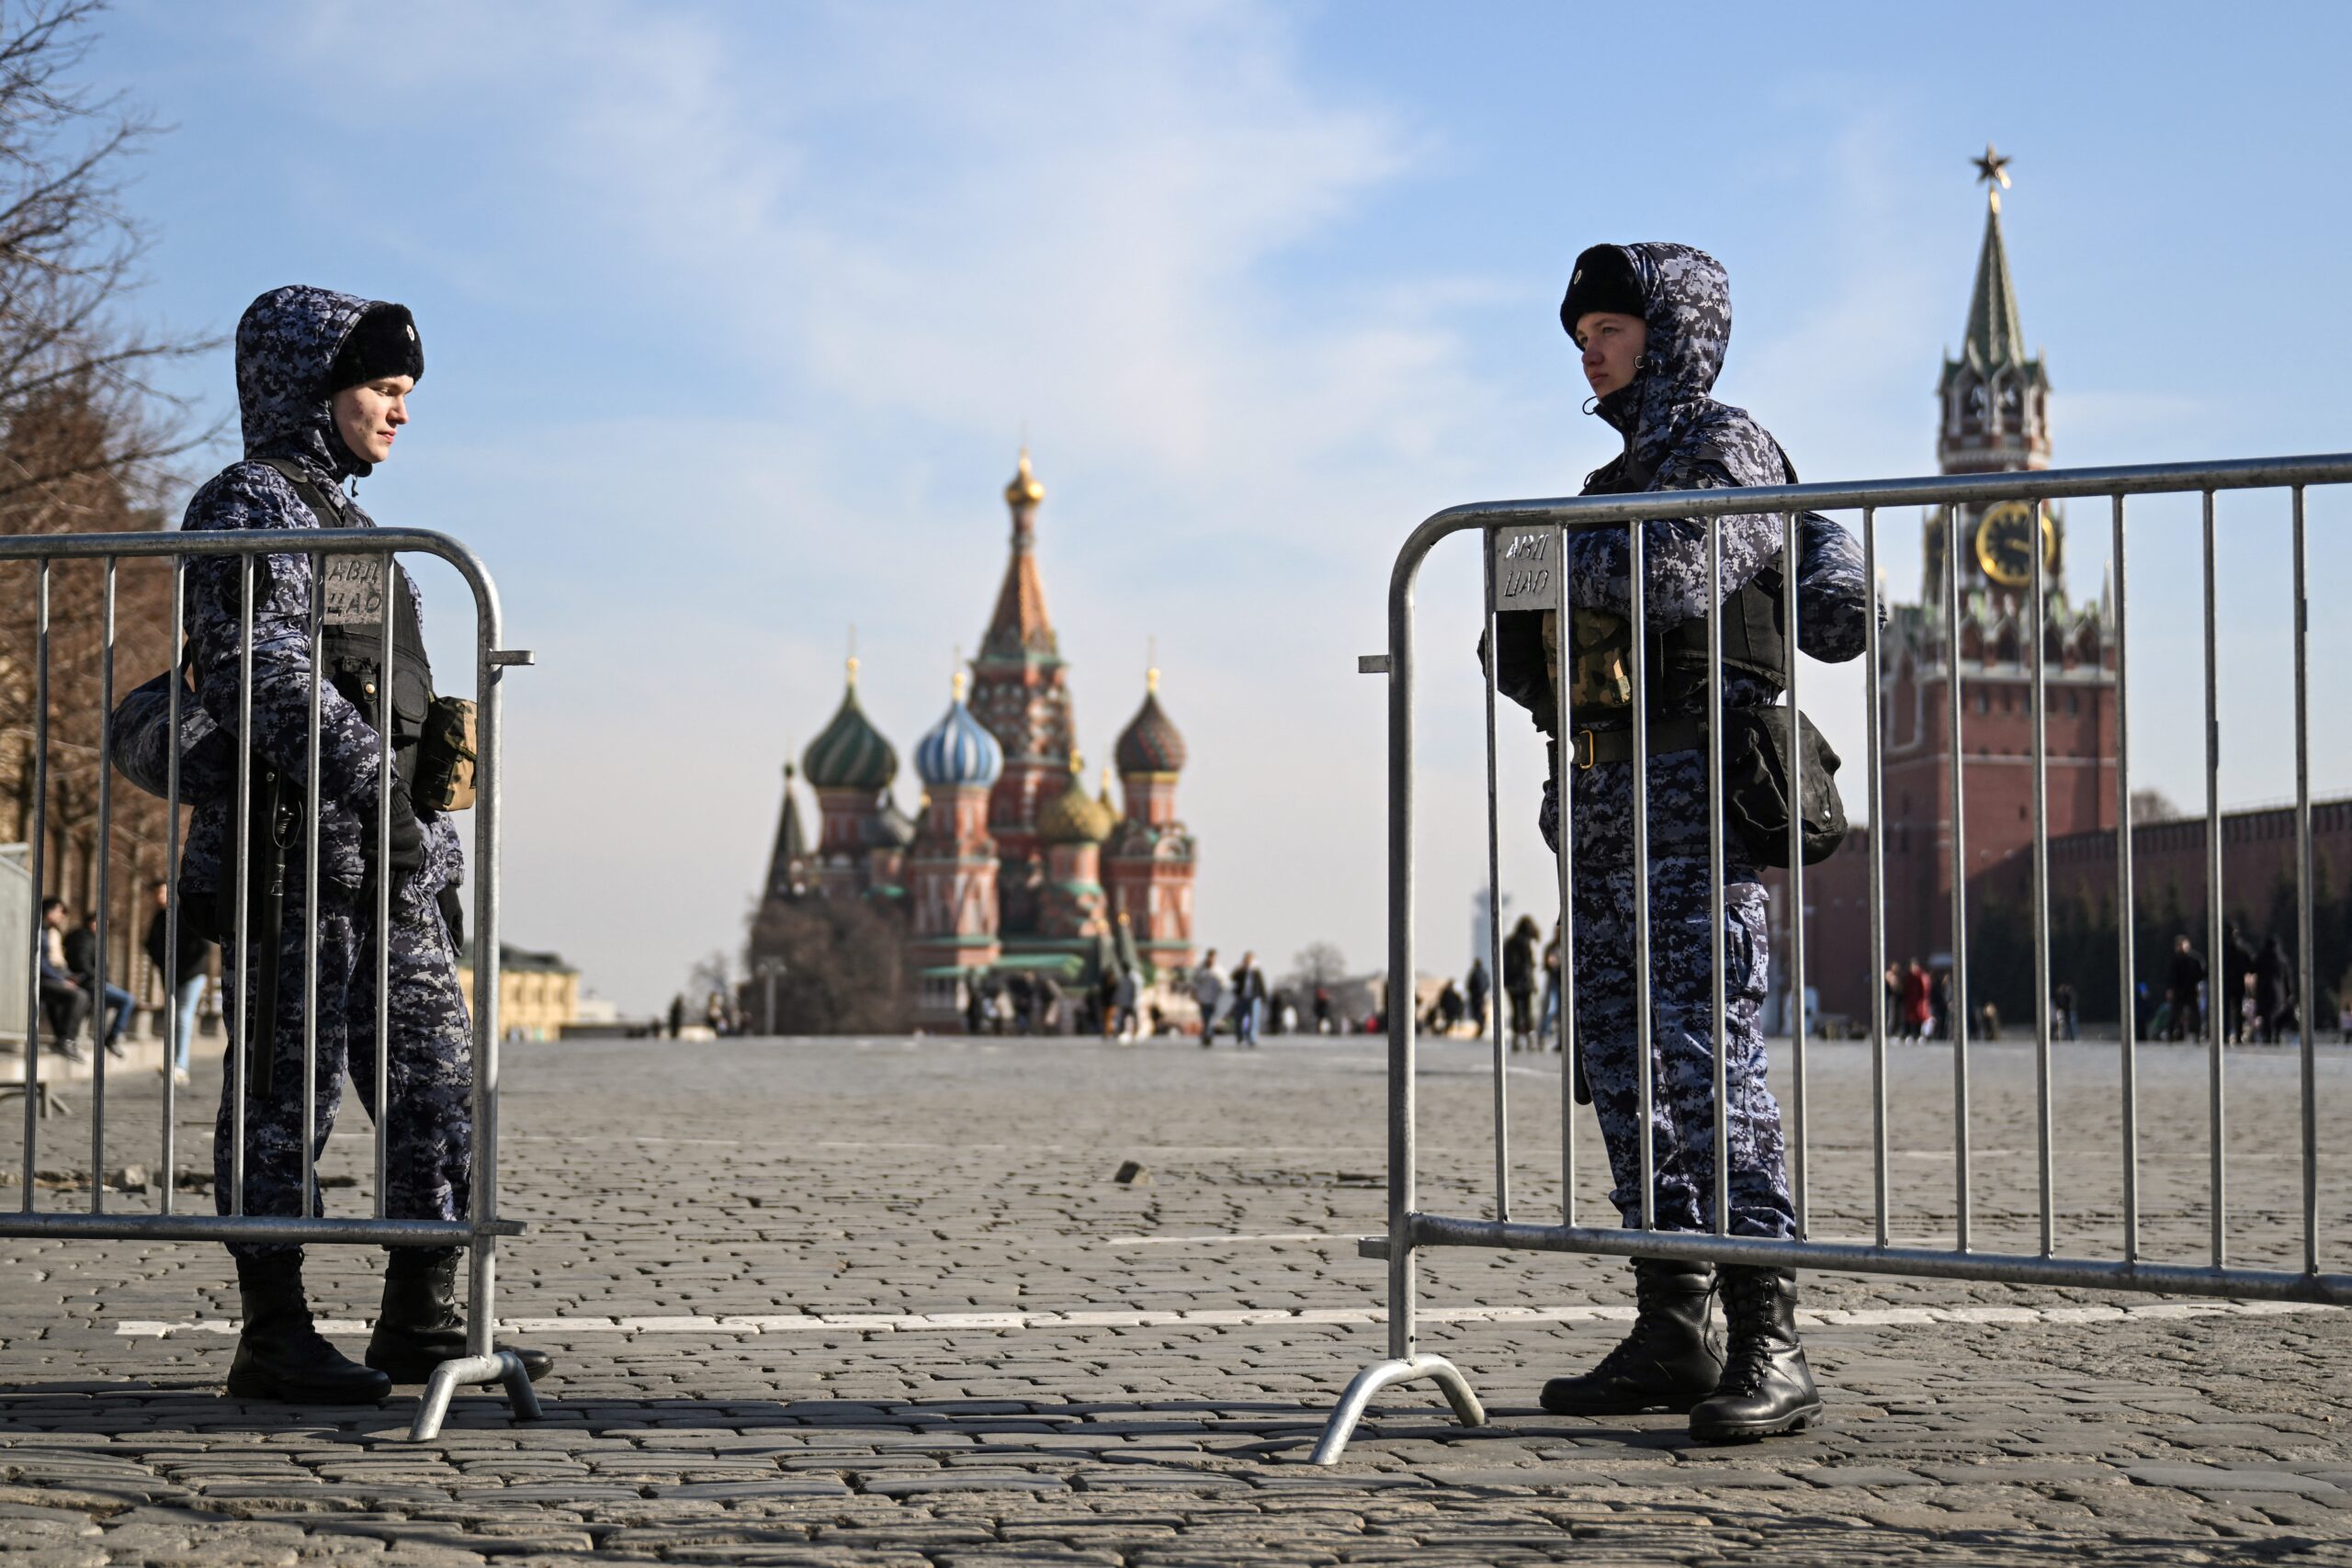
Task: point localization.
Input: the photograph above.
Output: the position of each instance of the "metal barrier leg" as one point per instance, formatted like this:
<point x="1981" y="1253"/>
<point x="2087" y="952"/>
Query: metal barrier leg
<point x="1371" y="1381"/>
<point x="503" y="1366"/>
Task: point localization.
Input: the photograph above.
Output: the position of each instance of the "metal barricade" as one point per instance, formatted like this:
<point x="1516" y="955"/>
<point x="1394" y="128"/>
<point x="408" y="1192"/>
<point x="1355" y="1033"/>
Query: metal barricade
<point x="1526" y="569"/>
<point x="478" y="1231"/>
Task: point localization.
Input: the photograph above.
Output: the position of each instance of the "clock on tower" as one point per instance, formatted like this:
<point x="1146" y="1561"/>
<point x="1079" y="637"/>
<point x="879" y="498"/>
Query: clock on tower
<point x="2006" y="541"/>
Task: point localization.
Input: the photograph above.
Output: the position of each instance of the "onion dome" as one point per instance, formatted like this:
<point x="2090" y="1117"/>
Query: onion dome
<point x="959" y="752"/>
<point x="1073" y="817"/>
<point x="1150" y="743"/>
<point x="1024" y="490"/>
<point x="850" y="753"/>
<point x="890" y="828"/>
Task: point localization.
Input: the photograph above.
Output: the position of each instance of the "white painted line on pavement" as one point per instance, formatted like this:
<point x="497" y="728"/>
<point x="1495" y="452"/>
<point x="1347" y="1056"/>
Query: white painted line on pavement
<point x="1347" y="1241"/>
<point x="1200" y="1317"/>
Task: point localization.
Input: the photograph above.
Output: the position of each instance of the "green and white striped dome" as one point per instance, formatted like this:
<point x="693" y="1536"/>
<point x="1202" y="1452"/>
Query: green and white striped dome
<point x="850" y="753"/>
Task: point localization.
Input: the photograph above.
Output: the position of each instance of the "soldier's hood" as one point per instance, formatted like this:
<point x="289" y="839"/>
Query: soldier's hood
<point x="1687" y="312"/>
<point x="287" y="342"/>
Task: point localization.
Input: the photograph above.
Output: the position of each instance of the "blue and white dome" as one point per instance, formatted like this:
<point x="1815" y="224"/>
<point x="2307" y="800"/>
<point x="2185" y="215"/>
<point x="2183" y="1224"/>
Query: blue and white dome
<point x="959" y="753"/>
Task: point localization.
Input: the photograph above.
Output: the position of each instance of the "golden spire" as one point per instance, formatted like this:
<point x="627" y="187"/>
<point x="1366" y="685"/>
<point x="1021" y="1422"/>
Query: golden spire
<point x="1151" y="680"/>
<point x="1077" y="767"/>
<point x="955" y="684"/>
<point x="853" y="669"/>
<point x="1024" y="490"/>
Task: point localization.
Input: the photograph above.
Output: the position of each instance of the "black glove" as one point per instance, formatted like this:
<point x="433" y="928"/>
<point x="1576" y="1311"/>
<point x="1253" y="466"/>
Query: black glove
<point x="407" y="836"/>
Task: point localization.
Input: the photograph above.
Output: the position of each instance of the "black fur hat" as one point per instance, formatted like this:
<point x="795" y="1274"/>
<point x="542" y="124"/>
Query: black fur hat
<point x="384" y="341"/>
<point x="1603" y="280"/>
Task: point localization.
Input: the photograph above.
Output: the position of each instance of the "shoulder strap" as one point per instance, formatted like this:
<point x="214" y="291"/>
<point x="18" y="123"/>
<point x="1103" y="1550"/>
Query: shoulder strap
<point x="324" y="500"/>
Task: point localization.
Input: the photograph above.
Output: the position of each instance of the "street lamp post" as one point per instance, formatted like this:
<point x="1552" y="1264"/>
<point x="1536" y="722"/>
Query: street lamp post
<point x="768" y="969"/>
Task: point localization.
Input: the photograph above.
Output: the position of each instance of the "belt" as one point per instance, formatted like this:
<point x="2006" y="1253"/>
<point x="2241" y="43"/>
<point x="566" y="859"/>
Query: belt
<point x="1615" y="744"/>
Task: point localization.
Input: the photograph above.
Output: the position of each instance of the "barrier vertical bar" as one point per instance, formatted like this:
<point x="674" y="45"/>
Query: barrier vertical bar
<point x="2218" y="1007"/>
<point x="2041" y="988"/>
<point x="310" y="908"/>
<point x="102" y="1049"/>
<point x="172" y="977"/>
<point x="1800" y="1172"/>
<point x="1563" y="746"/>
<point x="1715" y="1008"/>
<point x="1958" y="1018"/>
<point x="2125" y="912"/>
<point x="240" y="1041"/>
<point x="33" y="1017"/>
<point x="2306" y="998"/>
<point x="383" y="720"/>
<point x="1637" y="603"/>
<point x="1493" y="895"/>
<point x="1874" y="782"/>
<point x="1402" y="1186"/>
<point x="482" y="1201"/>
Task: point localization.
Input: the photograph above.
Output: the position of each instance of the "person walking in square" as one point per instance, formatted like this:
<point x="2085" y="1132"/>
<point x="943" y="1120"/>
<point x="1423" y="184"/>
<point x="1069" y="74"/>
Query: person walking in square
<point x="1249" y="1000"/>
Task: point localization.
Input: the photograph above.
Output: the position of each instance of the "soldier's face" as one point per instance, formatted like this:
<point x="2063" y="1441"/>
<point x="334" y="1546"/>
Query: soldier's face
<point x="1613" y="343"/>
<point x="369" y="415"/>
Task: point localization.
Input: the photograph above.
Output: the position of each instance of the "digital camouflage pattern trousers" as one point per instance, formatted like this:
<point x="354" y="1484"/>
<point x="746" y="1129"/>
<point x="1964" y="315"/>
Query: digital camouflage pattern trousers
<point x="429" y="1118"/>
<point x="1682" y="1100"/>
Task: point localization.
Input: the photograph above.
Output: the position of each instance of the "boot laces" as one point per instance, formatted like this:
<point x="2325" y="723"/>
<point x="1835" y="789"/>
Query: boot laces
<point x="1748" y="1303"/>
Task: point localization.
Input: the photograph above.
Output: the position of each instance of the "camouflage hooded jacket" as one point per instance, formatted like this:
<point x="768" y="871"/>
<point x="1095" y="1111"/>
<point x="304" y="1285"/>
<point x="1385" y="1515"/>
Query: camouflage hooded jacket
<point x="1678" y="438"/>
<point x="287" y="343"/>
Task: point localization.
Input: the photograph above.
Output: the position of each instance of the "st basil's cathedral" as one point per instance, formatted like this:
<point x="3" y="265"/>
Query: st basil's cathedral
<point x="1008" y="863"/>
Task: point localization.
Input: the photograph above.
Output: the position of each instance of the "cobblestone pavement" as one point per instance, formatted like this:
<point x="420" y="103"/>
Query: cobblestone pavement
<point x="884" y="1302"/>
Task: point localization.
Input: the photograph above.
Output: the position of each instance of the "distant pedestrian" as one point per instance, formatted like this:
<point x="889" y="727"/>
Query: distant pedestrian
<point x="64" y="1003"/>
<point x="2182" y="979"/>
<point x="1939" y="1008"/>
<point x="1547" y="1034"/>
<point x="1208" y="994"/>
<point x="1323" y="1009"/>
<point x="1106" y="1000"/>
<point x="678" y="1016"/>
<point x="2274" y="988"/>
<point x="1480" y="986"/>
<point x="1449" y="1008"/>
<point x="2236" y="965"/>
<point x="185" y="994"/>
<point x="1518" y="980"/>
<point x="81" y="945"/>
<point x="1049" y="1005"/>
<point x="1249" y="1000"/>
<point x="1125" y="999"/>
<point x="2062" y="1011"/>
<point x="976" y="1005"/>
<point x="1918" y="1002"/>
<point x="1023" y="991"/>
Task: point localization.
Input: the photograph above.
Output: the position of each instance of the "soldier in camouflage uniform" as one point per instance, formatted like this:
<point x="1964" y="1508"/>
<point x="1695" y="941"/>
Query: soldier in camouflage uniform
<point x="1654" y="321"/>
<point x="322" y="380"/>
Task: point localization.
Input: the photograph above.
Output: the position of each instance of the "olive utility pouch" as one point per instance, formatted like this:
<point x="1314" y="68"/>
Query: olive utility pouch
<point x="446" y="756"/>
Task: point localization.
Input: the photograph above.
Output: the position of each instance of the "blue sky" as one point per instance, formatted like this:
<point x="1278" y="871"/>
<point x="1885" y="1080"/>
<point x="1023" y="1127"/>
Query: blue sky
<point x="735" y="315"/>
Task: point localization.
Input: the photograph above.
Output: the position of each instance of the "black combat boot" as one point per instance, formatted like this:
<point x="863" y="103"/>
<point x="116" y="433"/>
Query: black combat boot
<point x="418" y="1326"/>
<point x="1670" y="1362"/>
<point x="1767" y="1388"/>
<point x="280" y="1353"/>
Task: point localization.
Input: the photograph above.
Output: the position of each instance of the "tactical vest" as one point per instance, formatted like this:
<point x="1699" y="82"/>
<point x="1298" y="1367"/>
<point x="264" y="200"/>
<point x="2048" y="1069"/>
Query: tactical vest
<point x="1600" y="672"/>
<point x="1601" y="658"/>
<point x="350" y="637"/>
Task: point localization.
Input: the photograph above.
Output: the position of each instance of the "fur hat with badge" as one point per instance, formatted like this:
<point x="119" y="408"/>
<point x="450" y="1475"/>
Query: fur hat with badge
<point x="382" y="342"/>
<point x="1603" y="280"/>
